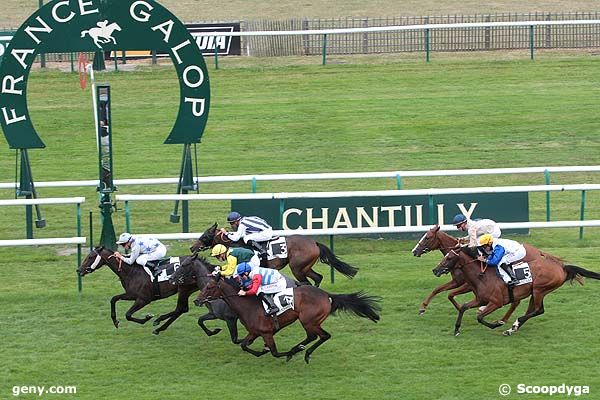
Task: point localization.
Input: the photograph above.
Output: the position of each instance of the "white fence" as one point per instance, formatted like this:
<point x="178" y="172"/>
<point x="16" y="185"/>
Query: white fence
<point x="402" y="229"/>
<point x="321" y="176"/>
<point x="79" y="240"/>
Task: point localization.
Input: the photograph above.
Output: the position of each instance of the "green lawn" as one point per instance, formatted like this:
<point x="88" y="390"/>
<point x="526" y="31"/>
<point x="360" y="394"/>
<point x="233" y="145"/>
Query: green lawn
<point x="388" y="115"/>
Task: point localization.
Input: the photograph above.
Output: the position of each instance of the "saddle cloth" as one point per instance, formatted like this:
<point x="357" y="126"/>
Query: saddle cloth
<point x="521" y="271"/>
<point x="277" y="248"/>
<point x="167" y="269"/>
<point x="284" y="301"/>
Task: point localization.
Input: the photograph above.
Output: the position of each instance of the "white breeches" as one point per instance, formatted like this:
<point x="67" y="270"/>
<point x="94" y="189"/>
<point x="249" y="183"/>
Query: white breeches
<point x="157" y="254"/>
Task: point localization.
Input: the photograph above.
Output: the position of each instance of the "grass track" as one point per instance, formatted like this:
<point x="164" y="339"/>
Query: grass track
<point x="359" y="117"/>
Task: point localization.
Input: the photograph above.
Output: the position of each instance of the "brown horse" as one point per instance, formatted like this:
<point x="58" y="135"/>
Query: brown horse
<point x="312" y="306"/>
<point x="303" y="253"/>
<point x="139" y="288"/>
<point x="549" y="273"/>
<point x="435" y="239"/>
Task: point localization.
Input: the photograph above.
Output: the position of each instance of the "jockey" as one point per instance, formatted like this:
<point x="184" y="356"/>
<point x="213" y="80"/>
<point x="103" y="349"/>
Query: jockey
<point x="142" y="250"/>
<point x="253" y="230"/>
<point x="233" y="257"/>
<point x="501" y="253"/>
<point x="263" y="282"/>
<point x="475" y="228"/>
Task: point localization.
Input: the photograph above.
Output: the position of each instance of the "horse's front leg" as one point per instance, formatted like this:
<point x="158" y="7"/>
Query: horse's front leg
<point x="113" y="307"/>
<point x="442" y="288"/>
<point x="301" y="346"/>
<point x="270" y="343"/>
<point x="473" y="303"/>
<point x="464" y="288"/>
<point x="513" y="307"/>
<point x="139" y="304"/>
<point x="248" y="341"/>
<point x="208" y="317"/>
<point x="489" y="308"/>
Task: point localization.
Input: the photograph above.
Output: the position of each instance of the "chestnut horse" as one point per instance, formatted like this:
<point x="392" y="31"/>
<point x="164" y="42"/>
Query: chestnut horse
<point x="312" y="306"/>
<point x="549" y="273"/>
<point x="138" y="287"/>
<point x="303" y="253"/>
<point x="435" y="239"/>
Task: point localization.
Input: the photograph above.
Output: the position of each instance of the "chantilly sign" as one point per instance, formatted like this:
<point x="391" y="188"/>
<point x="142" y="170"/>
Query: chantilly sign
<point x="102" y="25"/>
<point x="386" y="211"/>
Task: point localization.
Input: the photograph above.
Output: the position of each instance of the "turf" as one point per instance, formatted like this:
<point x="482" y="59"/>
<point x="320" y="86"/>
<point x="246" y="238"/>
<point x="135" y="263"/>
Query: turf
<point x="388" y="115"/>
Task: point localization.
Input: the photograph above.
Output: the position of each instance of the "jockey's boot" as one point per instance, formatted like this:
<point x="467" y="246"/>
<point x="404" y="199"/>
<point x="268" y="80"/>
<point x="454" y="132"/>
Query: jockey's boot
<point x="262" y="249"/>
<point x="268" y="300"/>
<point x="153" y="267"/>
<point x="509" y="271"/>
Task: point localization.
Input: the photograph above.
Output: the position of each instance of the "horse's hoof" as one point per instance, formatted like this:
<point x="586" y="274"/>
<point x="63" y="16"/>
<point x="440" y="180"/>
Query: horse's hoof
<point x="155" y="332"/>
<point x="307" y="358"/>
<point x="456" y="333"/>
<point x="116" y="323"/>
<point x="149" y="316"/>
<point x="422" y="311"/>
<point x="500" y="322"/>
<point x="289" y="357"/>
<point x="507" y="333"/>
<point x="155" y="322"/>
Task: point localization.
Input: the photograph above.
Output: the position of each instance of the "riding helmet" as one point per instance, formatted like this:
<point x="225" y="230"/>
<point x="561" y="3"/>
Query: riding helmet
<point x="124" y="238"/>
<point x="233" y="216"/>
<point x="217" y="250"/>
<point x="242" y="268"/>
<point x="459" y="219"/>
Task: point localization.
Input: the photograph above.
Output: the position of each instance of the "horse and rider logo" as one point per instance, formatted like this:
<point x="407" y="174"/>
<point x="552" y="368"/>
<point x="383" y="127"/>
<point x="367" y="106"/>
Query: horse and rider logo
<point x="102" y="34"/>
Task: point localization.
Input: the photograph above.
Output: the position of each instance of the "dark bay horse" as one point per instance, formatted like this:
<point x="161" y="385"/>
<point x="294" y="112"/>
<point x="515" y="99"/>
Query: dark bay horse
<point x="548" y="272"/>
<point x="312" y="306"/>
<point x="138" y="288"/>
<point x="303" y="253"/>
<point x="190" y="273"/>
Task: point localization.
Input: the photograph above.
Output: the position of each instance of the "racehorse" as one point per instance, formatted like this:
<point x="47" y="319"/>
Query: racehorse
<point x="435" y="239"/>
<point x="549" y="273"/>
<point x="303" y="253"/>
<point x="138" y="287"/>
<point x="188" y="273"/>
<point x="103" y="33"/>
<point x="312" y="306"/>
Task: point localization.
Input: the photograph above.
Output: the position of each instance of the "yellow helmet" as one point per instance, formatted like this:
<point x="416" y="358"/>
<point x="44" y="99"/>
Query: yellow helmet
<point x="486" y="239"/>
<point x="218" y="249"/>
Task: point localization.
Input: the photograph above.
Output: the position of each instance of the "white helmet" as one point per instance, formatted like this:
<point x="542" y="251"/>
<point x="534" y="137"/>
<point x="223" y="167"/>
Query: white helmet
<point x="124" y="238"/>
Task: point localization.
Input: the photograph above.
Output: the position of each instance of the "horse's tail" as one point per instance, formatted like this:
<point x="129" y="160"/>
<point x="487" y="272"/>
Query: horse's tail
<point x="83" y="33"/>
<point x="358" y="303"/>
<point x="327" y="257"/>
<point x="575" y="273"/>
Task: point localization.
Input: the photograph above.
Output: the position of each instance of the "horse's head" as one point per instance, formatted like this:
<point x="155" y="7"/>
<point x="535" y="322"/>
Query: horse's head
<point x="429" y="241"/>
<point x="94" y="260"/>
<point x="449" y="262"/>
<point x="211" y="291"/>
<point x="185" y="274"/>
<point x="205" y="241"/>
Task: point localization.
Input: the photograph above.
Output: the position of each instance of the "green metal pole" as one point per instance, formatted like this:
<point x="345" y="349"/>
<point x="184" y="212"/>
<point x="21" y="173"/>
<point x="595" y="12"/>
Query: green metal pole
<point x="216" y="55"/>
<point x="79" y="283"/>
<point x="127" y="224"/>
<point x="332" y="271"/>
<point x="398" y="182"/>
<point x="91" y="222"/>
<point x="581" y="215"/>
<point x="427" y="48"/>
<point x="324" y="49"/>
<point x="72" y="58"/>
<point x="547" y="177"/>
<point x="253" y="184"/>
<point x="531" y="33"/>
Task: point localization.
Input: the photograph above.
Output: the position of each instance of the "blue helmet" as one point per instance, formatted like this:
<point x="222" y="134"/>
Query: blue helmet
<point x="233" y="216"/>
<point x="459" y="219"/>
<point x="242" y="268"/>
